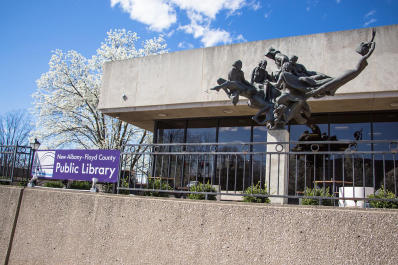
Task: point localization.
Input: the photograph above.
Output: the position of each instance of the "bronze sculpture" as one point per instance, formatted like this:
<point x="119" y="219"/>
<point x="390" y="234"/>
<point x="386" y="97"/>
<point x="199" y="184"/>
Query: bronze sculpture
<point x="282" y="95"/>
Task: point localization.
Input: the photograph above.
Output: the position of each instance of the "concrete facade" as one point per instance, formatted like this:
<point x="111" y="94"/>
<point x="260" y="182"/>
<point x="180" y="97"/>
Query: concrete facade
<point x="176" y="85"/>
<point x="65" y="227"/>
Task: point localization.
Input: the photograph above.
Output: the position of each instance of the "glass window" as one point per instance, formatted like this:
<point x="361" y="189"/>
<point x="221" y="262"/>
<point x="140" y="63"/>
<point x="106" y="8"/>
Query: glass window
<point x="247" y="169"/>
<point x="200" y="167"/>
<point x="171" y="131"/>
<point x="297" y="131"/>
<point x="384" y="162"/>
<point x="237" y="165"/>
<point x="170" y="136"/>
<point x="351" y="127"/>
<point x="259" y="160"/>
<point x="353" y="169"/>
<point x="168" y="167"/>
<point x="385" y="130"/>
<point x="305" y="169"/>
<point x="350" y="132"/>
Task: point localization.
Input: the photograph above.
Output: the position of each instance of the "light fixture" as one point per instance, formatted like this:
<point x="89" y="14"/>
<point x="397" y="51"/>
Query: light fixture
<point x="35" y="145"/>
<point x="162" y="115"/>
<point x="341" y="127"/>
<point x="124" y="97"/>
<point x="375" y="133"/>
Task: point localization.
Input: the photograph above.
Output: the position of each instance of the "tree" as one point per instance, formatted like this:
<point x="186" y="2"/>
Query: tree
<point x="15" y="128"/>
<point x="67" y="97"/>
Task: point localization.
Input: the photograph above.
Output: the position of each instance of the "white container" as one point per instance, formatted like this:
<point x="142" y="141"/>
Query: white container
<point x="351" y="192"/>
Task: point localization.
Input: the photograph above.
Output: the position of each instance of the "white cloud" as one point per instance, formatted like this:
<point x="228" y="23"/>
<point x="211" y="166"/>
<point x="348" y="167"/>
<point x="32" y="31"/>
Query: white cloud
<point x="370" y="13"/>
<point x="371" y="21"/>
<point x="369" y="17"/>
<point x="255" y="5"/>
<point x="161" y="14"/>
<point x="240" y="38"/>
<point x="209" y="8"/>
<point x="311" y="4"/>
<point x="209" y="37"/>
<point x="158" y="14"/>
<point x="170" y="33"/>
<point x="196" y="28"/>
<point x="213" y="36"/>
<point x="185" y="45"/>
<point x="200" y="28"/>
<point x="266" y="15"/>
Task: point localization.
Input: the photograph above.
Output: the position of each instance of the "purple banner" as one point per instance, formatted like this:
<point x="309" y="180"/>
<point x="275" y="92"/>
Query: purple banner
<point x="77" y="164"/>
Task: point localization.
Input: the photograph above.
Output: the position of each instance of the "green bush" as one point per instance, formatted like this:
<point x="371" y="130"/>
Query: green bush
<point x="80" y="185"/>
<point x="5" y="183"/>
<point x="317" y="192"/>
<point x="108" y="187"/>
<point x="22" y="183"/>
<point x="158" y="185"/>
<point x="53" y="184"/>
<point x="259" y="190"/>
<point x="383" y="194"/>
<point x="200" y="187"/>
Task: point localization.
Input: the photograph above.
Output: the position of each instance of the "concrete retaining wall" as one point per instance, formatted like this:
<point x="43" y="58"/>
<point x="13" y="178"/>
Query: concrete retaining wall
<point x="9" y="197"/>
<point x="64" y="227"/>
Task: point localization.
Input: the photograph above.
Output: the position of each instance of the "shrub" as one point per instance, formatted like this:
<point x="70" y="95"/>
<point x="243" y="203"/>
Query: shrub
<point x="259" y="190"/>
<point x="383" y="194"/>
<point x="157" y="185"/>
<point x="22" y="183"/>
<point x="200" y="187"/>
<point x="80" y="185"/>
<point x="108" y="187"/>
<point x="317" y="192"/>
<point x="53" y="184"/>
<point x="5" y="183"/>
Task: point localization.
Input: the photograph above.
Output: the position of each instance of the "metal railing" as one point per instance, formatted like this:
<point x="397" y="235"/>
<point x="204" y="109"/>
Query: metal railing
<point x="316" y="172"/>
<point x="15" y="163"/>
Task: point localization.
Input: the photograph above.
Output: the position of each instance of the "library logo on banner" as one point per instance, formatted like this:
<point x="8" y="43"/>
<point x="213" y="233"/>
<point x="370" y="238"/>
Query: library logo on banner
<point x="43" y="164"/>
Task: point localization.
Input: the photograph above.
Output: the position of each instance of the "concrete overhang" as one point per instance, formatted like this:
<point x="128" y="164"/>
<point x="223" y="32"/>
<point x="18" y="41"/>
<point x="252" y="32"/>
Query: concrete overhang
<point x="145" y="117"/>
<point x="176" y="85"/>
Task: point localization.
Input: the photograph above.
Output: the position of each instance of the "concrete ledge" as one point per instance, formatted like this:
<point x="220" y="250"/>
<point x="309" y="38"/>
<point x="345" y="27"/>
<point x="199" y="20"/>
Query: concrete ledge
<point x="9" y="197"/>
<point x="62" y="227"/>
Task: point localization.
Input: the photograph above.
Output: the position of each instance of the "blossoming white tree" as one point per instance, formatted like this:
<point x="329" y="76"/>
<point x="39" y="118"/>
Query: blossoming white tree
<point x="67" y="97"/>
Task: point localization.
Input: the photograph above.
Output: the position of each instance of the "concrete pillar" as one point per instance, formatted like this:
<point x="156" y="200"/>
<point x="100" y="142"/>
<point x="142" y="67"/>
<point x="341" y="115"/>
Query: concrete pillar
<point x="277" y="165"/>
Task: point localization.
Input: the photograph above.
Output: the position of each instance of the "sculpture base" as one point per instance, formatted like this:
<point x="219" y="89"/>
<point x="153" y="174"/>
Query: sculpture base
<point x="277" y="165"/>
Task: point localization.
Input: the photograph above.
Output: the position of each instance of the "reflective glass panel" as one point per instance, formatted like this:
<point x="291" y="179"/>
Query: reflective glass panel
<point x="386" y="163"/>
<point x="237" y="165"/>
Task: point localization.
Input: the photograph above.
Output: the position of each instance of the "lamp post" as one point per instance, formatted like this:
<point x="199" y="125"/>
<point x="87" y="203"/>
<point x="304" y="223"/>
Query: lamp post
<point x="35" y="146"/>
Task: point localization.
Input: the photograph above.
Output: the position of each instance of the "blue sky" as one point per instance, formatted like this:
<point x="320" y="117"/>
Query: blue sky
<point x="31" y="29"/>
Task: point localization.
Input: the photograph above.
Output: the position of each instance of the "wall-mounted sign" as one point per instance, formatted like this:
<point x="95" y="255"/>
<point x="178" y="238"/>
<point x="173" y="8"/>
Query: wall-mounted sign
<point x="77" y="164"/>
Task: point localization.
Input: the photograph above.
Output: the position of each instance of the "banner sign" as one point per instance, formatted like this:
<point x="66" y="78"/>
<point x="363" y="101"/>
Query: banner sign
<point x="77" y="164"/>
